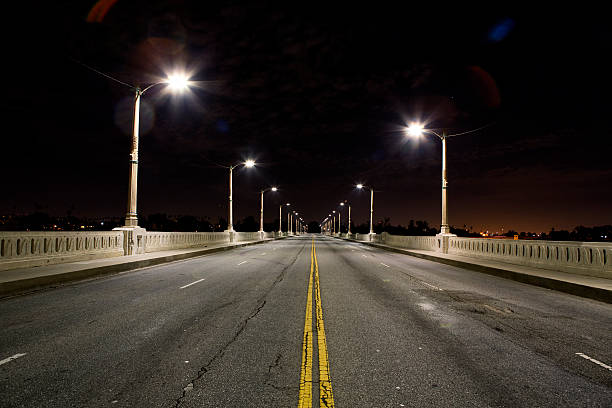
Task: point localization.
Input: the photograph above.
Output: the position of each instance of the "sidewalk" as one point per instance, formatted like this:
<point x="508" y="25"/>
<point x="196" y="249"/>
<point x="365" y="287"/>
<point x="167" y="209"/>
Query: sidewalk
<point x="580" y="285"/>
<point x="15" y="281"/>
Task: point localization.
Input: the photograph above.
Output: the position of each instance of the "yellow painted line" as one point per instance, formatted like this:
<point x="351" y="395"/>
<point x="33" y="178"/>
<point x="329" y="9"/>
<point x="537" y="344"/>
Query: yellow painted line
<point x="305" y="397"/>
<point x="326" y="396"/>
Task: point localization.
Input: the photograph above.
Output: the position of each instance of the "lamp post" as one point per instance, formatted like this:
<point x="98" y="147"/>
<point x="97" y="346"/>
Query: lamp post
<point x="417" y="129"/>
<point x="361" y="186"/>
<point x="280" y="218"/>
<point x="174" y="82"/>
<point x="249" y="164"/>
<point x="347" y="204"/>
<point x="261" y="229"/>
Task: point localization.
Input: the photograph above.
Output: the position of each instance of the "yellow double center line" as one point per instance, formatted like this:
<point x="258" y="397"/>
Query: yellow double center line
<point x="326" y="396"/>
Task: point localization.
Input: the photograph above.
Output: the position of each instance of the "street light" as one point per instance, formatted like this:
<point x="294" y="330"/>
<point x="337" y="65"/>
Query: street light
<point x="280" y="219"/>
<point x="361" y="186"/>
<point x="261" y="230"/>
<point x="248" y="163"/>
<point x="346" y="203"/>
<point x="417" y="129"/>
<point x="175" y="82"/>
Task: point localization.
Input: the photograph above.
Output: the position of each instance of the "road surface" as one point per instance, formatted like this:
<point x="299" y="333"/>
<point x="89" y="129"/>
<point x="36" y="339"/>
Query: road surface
<point x="237" y="329"/>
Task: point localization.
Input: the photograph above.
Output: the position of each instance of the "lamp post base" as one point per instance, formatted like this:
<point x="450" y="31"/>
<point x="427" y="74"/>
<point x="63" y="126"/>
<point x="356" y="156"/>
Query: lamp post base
<point x="134" y="240"/>
<point x="443" y="239"/>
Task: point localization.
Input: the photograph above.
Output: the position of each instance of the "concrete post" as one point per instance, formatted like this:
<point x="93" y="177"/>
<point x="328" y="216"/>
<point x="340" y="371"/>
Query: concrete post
<point x="371" y="211"/>
<point x="443" y="237"/>
<point x="261" y="229"/>
<point x="444" y="227"/>
<point x="131" y="219"/>
<point x="230" y="227"/>
<point x="349" y="220"/>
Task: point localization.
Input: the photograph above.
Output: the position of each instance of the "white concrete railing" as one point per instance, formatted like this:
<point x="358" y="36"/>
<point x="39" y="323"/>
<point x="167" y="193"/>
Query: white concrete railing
<point x="27" y="249"/>
<point x="164" y="241"/>
<point x="587" y="258"/>
<point x="362" y="237"/>
<point x="409" y="242"/>
<point x="246" y="236"/>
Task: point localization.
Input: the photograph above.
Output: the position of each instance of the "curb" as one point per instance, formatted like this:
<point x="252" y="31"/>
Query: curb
<point x="25" y="285"/>
<point x="599" y="294"/>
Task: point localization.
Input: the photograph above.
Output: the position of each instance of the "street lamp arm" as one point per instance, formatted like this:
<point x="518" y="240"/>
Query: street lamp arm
<point x="149" y="87"/>
<point x="472" y="131"/>
<point x="433" y="133"/>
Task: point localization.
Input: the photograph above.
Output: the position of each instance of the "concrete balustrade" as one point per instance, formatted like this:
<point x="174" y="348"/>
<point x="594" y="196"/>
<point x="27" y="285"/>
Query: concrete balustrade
<point x="246" y="236"/>
<point x="585" y="258"/>
<point x="164" y="241"/>
<point x="27" y="249"/>
<point x="362" y="237"/>
<point x="593" y="259"/>
<point x="409" y="242"/>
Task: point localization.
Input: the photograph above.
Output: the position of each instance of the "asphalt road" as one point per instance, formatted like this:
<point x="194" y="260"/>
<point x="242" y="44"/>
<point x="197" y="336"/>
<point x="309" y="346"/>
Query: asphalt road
<point x="227" y="330"/>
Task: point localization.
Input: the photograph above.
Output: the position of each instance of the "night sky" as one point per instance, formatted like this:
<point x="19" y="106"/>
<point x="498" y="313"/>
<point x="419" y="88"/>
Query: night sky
<point x="318" y="95"/>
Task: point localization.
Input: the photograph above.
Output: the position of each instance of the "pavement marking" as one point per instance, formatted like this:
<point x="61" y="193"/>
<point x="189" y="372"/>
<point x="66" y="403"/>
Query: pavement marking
<point x="431" y="286"/>
<point x="243" y="262"/>
<point x="11" y="358"/>
<point x="383" y="264"/>
<point x="192" y="283"/>
<point x="599" y="363"/>
<point x="264" y="253"/>
<point x="305" y="396"/>
<point x="326" y="397"/>
<point x="364" y="255"/>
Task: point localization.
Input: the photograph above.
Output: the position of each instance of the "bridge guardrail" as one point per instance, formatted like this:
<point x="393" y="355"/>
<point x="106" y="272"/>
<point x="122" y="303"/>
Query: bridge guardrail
<point x="587" y="258"/>
<point x="23" y="249"/>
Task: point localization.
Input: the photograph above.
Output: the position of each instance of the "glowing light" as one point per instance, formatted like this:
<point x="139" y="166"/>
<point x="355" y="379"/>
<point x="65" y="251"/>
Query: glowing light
<point x="177" y="82"/>
<point x="415" y="129"/>
<point x="249" y="163"/>
<point x="274" y="189"/>
<point x="359" y="185"/>
<point x="342" y="204"/>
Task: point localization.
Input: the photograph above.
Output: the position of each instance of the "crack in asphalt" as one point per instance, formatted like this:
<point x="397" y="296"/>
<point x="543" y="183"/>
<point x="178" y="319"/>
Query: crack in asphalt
<point x="261" y="303"/>
<point x="271" y="367"/>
